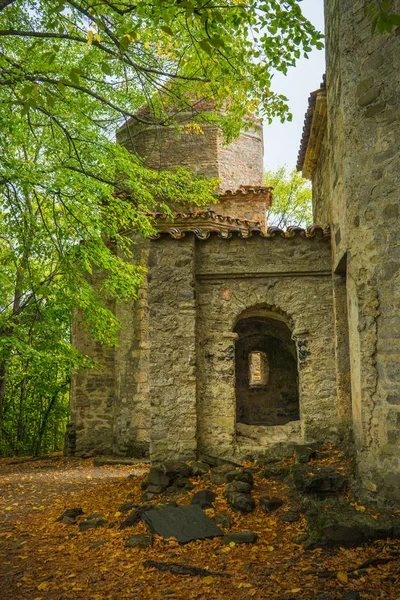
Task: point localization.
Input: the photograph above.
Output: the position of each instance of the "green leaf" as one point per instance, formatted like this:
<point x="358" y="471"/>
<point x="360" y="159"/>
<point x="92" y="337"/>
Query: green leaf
<point x="167" y="29"/>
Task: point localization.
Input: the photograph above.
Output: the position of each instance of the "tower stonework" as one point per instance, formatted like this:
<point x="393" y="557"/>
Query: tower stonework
<point x="351" y="151"/>
<point x="201" y="150"/>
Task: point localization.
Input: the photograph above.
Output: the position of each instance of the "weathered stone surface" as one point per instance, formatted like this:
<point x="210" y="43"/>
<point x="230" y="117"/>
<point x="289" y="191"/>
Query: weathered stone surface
<point x="158" y="477"/>
<point x="290" y="517"/>
<point x="140" y="540"/>
<point x="240" y="475"/>
<point x="270" y="504"/>
<point x="185" y="523"/>
<point x="177" y="469"/>
<point x="68" y="520"/>
<point x="136" y="516"/>
<point x="222" y="520"/>
<point x="71" y="513"/>
<point x="127" y="506"/>
<point x="241" y="502"/>
<point x="218" y="475"/>
<point x="276" y="470"/>
<point x="237" y="486"/>
<point x="199" y="468"/>
<point x="304" y="453"/>
<point x="319" y="481"/>
<point x="239" y="538"/>
<point x="342" y="525"/>
<point x="93" y="522"/>
<point x="204" y="498"/>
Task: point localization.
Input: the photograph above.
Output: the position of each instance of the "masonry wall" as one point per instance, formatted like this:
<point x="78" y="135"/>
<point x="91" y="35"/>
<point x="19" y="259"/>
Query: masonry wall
<point x="363" y="91"/>
<point x="288" y="279"/>
<point x="93" y="394"/>
<point x="203" y="153"/>
<point x="172" y="348"/>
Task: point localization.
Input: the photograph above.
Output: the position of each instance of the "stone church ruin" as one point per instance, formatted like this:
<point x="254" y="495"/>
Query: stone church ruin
<point x="245" y="335"/>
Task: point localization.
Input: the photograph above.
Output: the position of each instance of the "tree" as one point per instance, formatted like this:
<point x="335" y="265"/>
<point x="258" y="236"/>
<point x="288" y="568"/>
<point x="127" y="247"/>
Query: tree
<point x="291" y="198"/>
<point x="71" y="72"/>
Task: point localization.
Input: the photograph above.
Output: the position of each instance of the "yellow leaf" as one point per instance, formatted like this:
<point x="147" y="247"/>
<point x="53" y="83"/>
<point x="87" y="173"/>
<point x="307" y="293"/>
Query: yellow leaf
<point x="360" y="508"/>
<point x="342" y="576"/>
<point x="117" y="514"/>
<point x="90" y="37"/>
<point x="295" y="590"/>
<point x="97" y="37"/>
<point x="9" y="508"/>
<point x="42" y="586"/>
<point x="208" y="580"/>
<point x="270" y="548"/>
<point x="232" y="544"/>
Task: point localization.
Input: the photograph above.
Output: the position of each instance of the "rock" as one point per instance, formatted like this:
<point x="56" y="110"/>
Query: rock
<point x="318" y="481"/>
<point x="237" y="486"/>
<point x="215" y="461"/>
<point x="158" y="480"/>
<point x="93" y="523"/>
<point x="204" y="498"/>
<point x="240" y="475"/>
<point x="94" y="516"/>
<point x="140" y="540"/>
<point x="241" y="502"/>
<point x="239" y="538"/>
<point x="68" y="520"/>
<point x="290" y="517"/>
<point x="352" y="596"/>
<point x="222" y="520"/>
<point x="144" y="485"/>
<point x="276" y="453"/>
<point x="276" y="471"/>
<point x="70" y="513"/>
<point x="270" y="504"/>
<point x="184" y="483"/>
<point x="148" y="496"/>
<point x="199" y="468"/>
<point x="127" y="506"/>
<point x="342" y="525"/>
<point x="136" y="516"/>
<point x="185" y="523"/>
<point x="218" y="474"/>
<point x="177" y="468"/>
<point x="304" y="453"/>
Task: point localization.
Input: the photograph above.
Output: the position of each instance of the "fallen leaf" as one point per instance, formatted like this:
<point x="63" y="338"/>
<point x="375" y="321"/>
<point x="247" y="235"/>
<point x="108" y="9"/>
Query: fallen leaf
<point x="342" y="576"/>
<point x="208" y="580"/>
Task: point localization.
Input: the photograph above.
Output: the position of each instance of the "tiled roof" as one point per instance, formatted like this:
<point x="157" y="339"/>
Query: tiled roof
<point x="204" y="224"/>
<point x="312" y="131"/>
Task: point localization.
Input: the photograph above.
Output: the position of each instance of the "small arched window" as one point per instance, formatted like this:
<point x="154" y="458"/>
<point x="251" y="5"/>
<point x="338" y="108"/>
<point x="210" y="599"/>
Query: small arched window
<point x="258" y="369"/>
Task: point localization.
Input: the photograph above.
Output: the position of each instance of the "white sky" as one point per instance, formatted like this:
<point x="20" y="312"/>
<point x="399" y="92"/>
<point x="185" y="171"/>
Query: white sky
<point x="282" y="140"/>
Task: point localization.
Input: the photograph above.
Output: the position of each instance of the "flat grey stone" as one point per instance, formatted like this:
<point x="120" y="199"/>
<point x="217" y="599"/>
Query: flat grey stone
<point x="240" y="538"/>
<point x="185" y="523"/>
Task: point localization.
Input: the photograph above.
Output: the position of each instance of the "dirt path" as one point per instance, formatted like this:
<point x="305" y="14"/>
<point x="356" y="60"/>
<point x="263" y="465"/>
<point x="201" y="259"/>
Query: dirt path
<point x="41" y="559"/>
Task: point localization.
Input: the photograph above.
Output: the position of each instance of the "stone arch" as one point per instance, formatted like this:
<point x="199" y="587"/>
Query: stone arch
<point x="264" y="342"/>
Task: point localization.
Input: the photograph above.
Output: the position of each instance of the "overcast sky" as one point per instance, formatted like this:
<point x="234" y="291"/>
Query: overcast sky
<point x="282" y="141"/>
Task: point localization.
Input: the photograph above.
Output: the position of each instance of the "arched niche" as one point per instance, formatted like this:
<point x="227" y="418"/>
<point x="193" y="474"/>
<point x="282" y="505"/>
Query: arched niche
<point x="267" y="391"/>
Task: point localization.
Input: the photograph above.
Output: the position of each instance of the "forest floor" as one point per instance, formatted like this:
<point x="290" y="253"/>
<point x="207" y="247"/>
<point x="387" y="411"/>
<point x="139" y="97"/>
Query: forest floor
<point x="42" y="559"/>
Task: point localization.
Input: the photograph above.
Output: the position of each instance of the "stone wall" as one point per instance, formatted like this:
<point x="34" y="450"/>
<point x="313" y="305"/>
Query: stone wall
<point x="172" y="346"/>
<point x="286" y="279"/>
<point x="171" y="384"/>
<point x="364" y="132"/>
<point x="93" y="394"/>
<point x="161" y="147"/>
<point x="321" y="185"/>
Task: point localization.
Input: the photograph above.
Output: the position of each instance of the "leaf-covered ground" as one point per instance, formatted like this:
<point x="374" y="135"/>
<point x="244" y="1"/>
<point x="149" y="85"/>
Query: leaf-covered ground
<point x="48" y="560"/>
